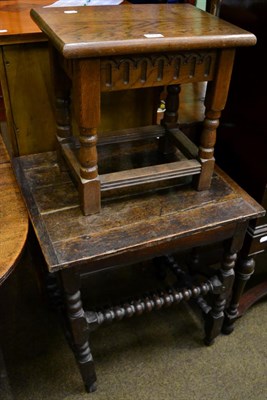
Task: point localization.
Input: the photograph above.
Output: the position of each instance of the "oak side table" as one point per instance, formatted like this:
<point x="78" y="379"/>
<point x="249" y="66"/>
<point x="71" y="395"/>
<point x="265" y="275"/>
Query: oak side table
<point x="131" y="230"/>
<point x="109" y="48"/>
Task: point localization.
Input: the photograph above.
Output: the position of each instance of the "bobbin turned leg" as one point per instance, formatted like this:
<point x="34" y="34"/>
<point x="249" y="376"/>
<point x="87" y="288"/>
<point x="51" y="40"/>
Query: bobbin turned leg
<point x="218" y="315"/>
<point x="79" y="328"/>
<point x="215" y="317"/>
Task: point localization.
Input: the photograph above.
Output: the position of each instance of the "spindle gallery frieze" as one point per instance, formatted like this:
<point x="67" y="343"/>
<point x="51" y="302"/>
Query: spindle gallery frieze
<point x="118" y="73"/>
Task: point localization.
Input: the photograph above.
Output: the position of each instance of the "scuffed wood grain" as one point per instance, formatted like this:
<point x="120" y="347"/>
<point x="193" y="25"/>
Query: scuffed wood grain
<point x="126" y="229"/>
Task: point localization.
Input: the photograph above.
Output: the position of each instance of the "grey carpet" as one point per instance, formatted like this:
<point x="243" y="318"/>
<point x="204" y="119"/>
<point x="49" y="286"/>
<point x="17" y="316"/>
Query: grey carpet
<point x="154" y="357"/>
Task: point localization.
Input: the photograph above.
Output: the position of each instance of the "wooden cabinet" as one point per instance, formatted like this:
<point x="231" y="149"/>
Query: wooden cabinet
<point x="242" y="136"/>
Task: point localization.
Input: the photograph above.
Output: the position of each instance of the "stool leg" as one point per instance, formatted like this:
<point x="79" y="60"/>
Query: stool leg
<point x="214" y="319"/>
<point x="206" y="148"/>
<point x="217" y="91"/>
<point x="62" y="87"/>
<point x="86" y="101"/>
<point x="170" y="117"/>
<point x="79" y="328"/>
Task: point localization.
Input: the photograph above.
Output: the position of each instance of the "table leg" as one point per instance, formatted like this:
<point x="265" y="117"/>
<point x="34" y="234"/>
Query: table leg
<point x="245" y="269"/>
<point x="215" y="317"/>
<point x="79" y="327"/>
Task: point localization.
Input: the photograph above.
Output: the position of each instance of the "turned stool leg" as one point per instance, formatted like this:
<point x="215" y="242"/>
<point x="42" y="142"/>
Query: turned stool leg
<point x="86" y="98"/>
<point x="79" y="328"/>
<point x="215" y="100"/>
<point x="245" y="269"/>
<point x="62" y="87"/>
<point x="206" y="148"/>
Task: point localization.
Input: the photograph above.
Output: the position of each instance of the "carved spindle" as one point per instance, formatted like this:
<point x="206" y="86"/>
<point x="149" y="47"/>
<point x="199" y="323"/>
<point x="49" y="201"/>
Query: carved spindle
<point x="205" y="288"/>
<point x="187" y="294"/>
<point x="88" y="153"/>
<point x="74" y="305"/>
<point x="149" y="303"/>
<point x="157" y="301"/>
<point x="178" y="296"/>
<point x="84" y="353"/>
<point x="195" y="291"/>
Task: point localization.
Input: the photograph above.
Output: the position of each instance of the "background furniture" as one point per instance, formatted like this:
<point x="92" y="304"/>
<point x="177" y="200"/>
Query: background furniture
<point x="14" y="217"/>
<point x="13" y="232"/>
<point x="242" y="135"/>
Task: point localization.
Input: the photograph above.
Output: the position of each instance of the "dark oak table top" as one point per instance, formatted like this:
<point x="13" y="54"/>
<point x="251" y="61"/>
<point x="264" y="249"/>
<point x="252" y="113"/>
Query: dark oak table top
<point x="13" y="217"/>
<point x="125" y="227"/>
<point x="111" y="30"/>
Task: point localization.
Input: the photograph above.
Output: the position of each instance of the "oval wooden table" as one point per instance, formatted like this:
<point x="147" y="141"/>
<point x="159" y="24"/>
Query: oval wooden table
<point x="13" y="231"/>
<point x="14" y="217"/>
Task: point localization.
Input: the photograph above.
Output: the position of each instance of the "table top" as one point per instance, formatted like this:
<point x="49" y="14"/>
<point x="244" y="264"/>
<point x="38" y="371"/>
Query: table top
<point x="126" y="226"/>
<point x="136" y="28"/>
<point x="13" y="217"/>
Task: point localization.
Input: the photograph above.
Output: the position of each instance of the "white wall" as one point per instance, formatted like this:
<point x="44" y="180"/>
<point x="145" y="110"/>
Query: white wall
<point x="201" y="4"/>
